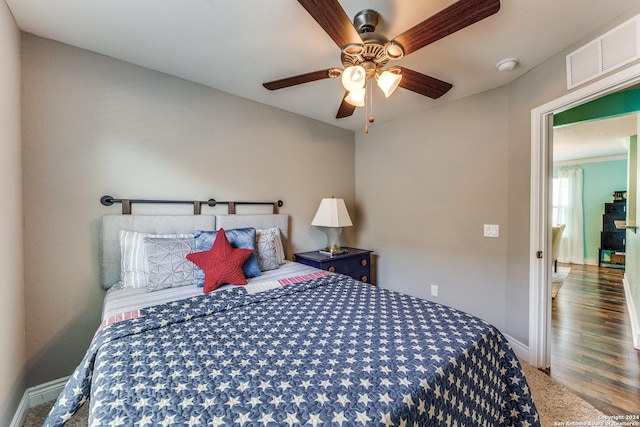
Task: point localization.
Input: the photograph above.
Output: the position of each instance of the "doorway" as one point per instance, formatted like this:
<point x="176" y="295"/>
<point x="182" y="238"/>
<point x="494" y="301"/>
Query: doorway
<point x="591" y="351"/>
<point x="540" y="209"/>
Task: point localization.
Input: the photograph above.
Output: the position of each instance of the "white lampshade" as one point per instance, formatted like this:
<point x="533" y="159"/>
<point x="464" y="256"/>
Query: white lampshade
<point x="388" y="82"/>
<point x="332" y="213"/>
<point x="356" y="98"/>
<point x="353" y="78"/>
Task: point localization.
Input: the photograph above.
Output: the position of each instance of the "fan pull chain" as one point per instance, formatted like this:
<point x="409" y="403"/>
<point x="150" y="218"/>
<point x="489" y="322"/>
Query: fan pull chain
<point x="368" y="107"/>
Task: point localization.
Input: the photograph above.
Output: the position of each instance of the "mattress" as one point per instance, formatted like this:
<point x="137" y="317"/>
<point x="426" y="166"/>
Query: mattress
<point x="119" y="301"/>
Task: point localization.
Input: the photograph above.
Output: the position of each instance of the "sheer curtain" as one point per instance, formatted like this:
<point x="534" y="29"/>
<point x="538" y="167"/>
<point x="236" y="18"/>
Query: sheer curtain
<point x="567" y="209"/>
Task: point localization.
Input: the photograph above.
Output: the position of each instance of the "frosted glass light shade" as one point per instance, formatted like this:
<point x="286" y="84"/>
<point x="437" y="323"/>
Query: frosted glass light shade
<point x="388" y="82"/>
<point x="353" y="78"/>
<point x="356" y="98"/>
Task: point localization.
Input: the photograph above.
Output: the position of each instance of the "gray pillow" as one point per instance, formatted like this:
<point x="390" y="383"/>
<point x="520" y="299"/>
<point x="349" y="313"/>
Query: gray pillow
<point x="167" y="263"/>
<point x="133" y="257"/>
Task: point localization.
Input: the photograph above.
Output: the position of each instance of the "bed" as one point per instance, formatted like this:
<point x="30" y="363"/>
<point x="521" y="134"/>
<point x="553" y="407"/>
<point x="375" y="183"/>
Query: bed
<point x="295" y="346"/>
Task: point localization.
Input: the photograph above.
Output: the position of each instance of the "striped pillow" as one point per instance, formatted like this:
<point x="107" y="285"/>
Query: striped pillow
<point x="134" y="271"/>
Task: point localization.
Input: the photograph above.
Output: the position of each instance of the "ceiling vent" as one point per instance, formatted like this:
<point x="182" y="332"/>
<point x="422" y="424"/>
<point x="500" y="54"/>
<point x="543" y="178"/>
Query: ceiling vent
<point x="612" y="50"/>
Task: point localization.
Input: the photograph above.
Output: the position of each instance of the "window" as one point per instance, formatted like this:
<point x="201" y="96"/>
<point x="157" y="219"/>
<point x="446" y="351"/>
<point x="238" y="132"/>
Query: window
<point x="560" y="202"/>
<point x="567" y="209"/>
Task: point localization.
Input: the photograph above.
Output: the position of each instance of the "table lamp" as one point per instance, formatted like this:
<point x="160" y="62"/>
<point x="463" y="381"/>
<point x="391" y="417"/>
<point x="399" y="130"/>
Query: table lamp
<point x="332" y="215"/>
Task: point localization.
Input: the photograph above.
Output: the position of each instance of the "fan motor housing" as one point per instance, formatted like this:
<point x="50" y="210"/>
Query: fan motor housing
<point x="366" y="21"/>
<point x="373" y="47"/>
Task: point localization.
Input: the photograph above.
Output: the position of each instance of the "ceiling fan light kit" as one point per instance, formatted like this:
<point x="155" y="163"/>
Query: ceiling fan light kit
<point x="388" y="81"/>
<point x="365" y="53"/>
<point x="334" y="73"/>
<point x="354" y="78"/>
<point x="393" y="50"/>
<point x="356" y="97"/>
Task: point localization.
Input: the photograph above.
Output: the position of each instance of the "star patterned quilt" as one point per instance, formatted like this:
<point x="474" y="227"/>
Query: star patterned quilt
<point x="326" y="351"/>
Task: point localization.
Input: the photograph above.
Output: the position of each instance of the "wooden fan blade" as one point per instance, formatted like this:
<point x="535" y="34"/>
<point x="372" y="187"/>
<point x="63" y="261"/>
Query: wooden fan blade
<point x="423" y="84"/>
<point x="459" y="15"/>
<point x="297" y="80"/>
<point x="333" y="20"/>
<point x="345" y="109"/>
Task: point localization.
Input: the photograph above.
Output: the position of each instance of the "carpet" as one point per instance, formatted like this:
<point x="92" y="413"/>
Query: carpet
<point x="556" y="405"/>
<point x="558" y="279"/>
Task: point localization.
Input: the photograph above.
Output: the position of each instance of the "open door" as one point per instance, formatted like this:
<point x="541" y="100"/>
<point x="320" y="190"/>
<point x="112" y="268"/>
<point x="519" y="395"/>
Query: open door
<point x="540" y="205"/>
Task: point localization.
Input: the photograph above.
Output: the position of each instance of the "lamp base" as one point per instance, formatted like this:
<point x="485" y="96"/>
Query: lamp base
<point x="333" y="251"/>
<point x="333" y="241"/>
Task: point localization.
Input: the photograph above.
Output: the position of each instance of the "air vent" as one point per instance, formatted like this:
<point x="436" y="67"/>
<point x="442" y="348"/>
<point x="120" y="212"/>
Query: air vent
<point x="608" y="52"/>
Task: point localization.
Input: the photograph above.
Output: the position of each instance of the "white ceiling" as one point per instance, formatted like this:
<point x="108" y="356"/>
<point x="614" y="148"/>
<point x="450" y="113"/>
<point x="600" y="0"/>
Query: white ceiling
<point x="235" y="46"/>
<point x="594" y="139"/>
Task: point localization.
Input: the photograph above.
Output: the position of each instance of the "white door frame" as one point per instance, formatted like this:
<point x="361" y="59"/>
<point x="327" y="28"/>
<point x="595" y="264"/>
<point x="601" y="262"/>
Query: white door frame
<point x="540" y="209"/>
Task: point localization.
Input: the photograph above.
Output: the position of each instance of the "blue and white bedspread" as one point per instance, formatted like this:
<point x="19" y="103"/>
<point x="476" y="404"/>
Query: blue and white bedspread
<point x="327" y="351"/>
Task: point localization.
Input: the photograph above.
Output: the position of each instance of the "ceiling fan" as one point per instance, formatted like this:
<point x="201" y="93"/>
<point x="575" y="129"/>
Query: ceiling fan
<point x="365" y="53"/>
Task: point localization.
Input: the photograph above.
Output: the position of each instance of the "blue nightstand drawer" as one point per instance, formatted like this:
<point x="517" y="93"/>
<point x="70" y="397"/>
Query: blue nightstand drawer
<point x="355" y="263"/>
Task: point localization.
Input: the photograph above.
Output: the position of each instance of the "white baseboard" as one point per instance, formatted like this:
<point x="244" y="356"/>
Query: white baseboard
<point x="633" y="316"/>
<point x="34" y="396"/>
<point x="521" y="350"/>
<point x="21" y="412"/>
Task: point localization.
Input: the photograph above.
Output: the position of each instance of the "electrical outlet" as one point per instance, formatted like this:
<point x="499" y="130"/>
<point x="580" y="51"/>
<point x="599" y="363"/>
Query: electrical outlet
<point x="491" y="230"/>
<point x="434" y="290"/>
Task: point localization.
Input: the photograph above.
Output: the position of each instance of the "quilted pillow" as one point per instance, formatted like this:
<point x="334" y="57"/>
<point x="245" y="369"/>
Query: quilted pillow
<point x="244" y="238"/>
<point x="168" y="266"/>
<point x="269" y="250"/>
<point x="134" y="272"/>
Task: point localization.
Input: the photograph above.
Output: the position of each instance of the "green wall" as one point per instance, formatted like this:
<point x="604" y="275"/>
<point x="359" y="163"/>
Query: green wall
<point x="613" y="105"/>
<point x="600" y="180"/>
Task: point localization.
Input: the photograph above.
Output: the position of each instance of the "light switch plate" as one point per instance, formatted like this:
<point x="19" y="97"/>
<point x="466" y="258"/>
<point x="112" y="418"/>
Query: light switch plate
<point x="491" y="230"/>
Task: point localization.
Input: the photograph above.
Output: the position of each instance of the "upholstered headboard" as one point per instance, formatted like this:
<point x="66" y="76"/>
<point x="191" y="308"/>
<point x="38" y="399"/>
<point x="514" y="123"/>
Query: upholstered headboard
<point x="258" y="221"/>
<point x="110" y="225"/>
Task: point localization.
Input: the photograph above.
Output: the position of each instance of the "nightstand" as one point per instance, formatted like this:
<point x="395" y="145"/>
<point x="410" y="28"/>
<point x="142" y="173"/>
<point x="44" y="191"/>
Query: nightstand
<point x="355" y="263"/>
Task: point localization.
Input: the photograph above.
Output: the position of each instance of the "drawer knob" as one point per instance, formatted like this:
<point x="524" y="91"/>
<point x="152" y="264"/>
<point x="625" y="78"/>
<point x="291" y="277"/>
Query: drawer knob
<point x="332" y="269"/>
<point x="363" y="262"/>
<point x="364" y="279"/>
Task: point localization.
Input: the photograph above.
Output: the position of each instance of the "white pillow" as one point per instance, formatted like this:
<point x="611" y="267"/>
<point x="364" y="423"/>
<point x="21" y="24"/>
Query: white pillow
<point x="269" y="249"/>
<point x="134" y="271"/>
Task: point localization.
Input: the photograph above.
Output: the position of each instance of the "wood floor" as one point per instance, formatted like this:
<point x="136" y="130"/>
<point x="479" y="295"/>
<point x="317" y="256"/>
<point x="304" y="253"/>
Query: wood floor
<point x="592" y="349"/>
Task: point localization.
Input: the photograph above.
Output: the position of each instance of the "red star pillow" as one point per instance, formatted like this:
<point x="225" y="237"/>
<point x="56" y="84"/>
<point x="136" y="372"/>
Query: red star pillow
<point x="221" y="264"/>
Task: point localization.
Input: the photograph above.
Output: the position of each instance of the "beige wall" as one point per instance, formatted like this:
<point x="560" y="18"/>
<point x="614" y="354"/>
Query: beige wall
<point x="539" y="86"/>
<point x="12" y="326"/>
<point x="94" y="126"/>
<point x="426" y="184"/>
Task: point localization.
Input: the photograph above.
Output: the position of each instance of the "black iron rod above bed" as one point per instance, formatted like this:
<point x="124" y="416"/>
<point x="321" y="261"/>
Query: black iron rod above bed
<point x="197" y="204"/>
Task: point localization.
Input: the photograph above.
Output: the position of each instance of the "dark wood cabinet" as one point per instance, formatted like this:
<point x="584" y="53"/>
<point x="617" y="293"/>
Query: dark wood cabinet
<point x="355" y="263"/>
<point x="612" y="239"/>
